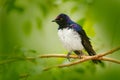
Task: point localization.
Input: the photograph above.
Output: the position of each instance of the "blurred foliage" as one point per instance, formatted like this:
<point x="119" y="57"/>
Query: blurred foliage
<point x="26" y="30"/>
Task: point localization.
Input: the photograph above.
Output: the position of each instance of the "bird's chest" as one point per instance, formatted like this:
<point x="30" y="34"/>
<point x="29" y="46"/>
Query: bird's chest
<point x="70" y="39"/>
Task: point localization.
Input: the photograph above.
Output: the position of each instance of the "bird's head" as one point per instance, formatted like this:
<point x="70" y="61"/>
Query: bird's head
<point x="62" y="19"/>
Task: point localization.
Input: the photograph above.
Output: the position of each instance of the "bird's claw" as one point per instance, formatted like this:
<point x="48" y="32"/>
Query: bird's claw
<point x="68" y="56"/>
<point x="79" y="56"/>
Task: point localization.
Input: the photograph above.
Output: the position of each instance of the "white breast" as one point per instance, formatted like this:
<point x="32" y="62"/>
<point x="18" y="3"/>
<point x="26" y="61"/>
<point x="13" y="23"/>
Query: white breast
<point x="70" y="39"/>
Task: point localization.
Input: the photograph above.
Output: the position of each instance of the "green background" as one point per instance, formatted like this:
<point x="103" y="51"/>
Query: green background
<point x="26" y="30"/>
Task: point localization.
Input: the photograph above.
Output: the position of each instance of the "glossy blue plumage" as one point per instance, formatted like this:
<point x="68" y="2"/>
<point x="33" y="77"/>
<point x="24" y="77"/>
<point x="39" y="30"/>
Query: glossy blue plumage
<point x="73" y="36"/>
<point x="76" y="27"/>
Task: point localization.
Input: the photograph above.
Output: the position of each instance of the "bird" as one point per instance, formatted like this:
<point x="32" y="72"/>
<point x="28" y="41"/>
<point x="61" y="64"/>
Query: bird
<point x="73" y="37"/>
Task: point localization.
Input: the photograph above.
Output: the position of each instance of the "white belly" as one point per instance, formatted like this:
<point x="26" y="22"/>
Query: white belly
<point x="70" y="39"/>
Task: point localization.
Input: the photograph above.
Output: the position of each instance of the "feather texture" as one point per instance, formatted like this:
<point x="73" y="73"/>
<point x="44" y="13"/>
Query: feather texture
<point x="73" y="36"/>
<point x="70" y="39"/>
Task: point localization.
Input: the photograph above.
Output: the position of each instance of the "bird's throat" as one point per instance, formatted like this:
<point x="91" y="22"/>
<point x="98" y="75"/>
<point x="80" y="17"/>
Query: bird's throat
<point x="63" y="26"/>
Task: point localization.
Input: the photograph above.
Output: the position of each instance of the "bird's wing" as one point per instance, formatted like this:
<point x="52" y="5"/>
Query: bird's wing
<point x="85" y="40"/>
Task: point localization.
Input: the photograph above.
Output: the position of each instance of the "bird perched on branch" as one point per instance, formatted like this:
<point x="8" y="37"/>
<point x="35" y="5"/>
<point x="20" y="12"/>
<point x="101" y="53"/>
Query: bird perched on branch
<point x="73" y="36"/>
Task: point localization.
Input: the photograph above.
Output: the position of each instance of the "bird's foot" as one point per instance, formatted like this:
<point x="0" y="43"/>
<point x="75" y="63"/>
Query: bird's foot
<point x="80" y="56"/>
<point x="68" y="56"/>
<point x="79" y="53"/>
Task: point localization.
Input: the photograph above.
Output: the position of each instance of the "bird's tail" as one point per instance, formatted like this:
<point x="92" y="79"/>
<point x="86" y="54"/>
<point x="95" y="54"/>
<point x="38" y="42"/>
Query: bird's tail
<point x="97" y="61"/>
<point x="92" y="54"/>
<point x="79" y="53"/>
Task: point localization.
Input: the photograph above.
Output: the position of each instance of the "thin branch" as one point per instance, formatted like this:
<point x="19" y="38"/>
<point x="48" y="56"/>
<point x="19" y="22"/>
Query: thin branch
<point x="89" y="58"/>
<point x="57" y="56"/>
<point x="83" y="59"/>
<point x="75" y="56"/>
<point x="110" y="60"/>
<point x="109" y="52"/>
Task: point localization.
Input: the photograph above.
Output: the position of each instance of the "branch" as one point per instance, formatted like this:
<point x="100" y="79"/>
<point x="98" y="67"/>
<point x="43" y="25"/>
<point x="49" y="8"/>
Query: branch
<point x="57" y="56"/>
<point x="109" y="52"/>
<point x="75" y="56"/>
<point x="83" y="59"/>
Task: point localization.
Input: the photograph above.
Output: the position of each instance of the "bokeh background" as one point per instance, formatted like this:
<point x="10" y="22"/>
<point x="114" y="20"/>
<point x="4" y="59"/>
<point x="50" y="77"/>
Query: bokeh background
<point x="26" y="30"/>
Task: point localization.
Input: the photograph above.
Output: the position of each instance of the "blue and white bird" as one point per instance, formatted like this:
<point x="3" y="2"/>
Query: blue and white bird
<point x="73" y="36"/>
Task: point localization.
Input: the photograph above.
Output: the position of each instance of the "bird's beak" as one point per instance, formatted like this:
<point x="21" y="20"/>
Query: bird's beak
<point x="53" y="20"/>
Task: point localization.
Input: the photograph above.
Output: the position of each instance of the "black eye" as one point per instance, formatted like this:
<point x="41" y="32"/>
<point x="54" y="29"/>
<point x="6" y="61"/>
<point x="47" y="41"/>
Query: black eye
<point x="61" y="18"/>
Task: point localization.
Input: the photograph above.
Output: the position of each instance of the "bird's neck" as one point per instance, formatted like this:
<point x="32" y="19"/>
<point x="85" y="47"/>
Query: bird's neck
<point x="65" y="24"/>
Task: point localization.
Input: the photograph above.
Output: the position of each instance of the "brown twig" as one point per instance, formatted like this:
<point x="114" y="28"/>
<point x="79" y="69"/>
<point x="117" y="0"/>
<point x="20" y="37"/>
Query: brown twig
<point x="110" y="60"/>
<point x="57" y="56"/>
<point x="75" y="56"/>
<point x="84" y="58"/>
<point x="109" y="52"/>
